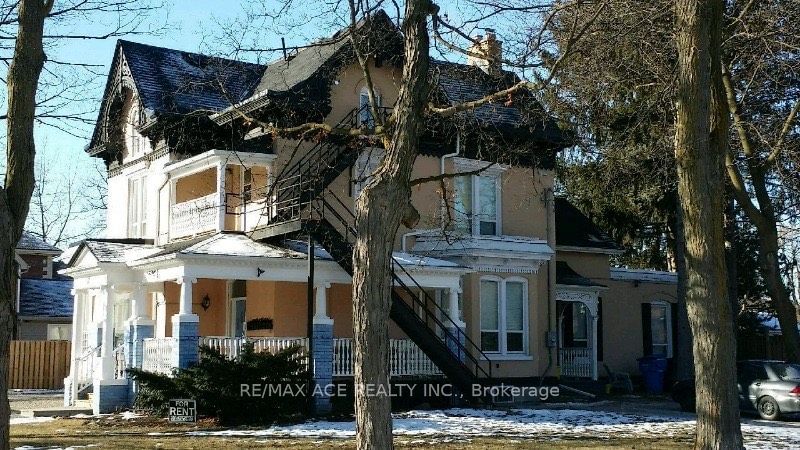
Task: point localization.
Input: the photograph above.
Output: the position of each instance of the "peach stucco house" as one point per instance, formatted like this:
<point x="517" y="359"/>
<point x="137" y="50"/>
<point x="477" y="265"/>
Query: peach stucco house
<point x="210" y="219"/>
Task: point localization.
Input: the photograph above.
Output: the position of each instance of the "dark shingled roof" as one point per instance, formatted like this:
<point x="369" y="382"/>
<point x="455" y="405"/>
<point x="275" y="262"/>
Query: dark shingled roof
<point x="45" y="298"/>
<point x="177" y="82"/>
<point x="115" y="250"/>
<point x="574" y="229"/>
<point x="283" y="75"/>
<point x="30" y="241"/>
<point x="565" y="275"/>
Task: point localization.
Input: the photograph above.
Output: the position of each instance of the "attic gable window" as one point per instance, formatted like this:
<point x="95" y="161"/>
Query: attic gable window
<point x="477" y="202"/>
<point x="135" y="144"/>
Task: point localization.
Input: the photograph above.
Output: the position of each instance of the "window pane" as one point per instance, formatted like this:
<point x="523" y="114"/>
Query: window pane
<point x="487" y="198"/>
<point x="514" y="306"/>
<point x="514" y="342"/>
<point x="463" y="204"/>
<point x="489" y="307"/>
<point x="579" y="321"/>
<point x="489" y="341"/>
<point x="488" y="228"/>
<point x="658" y="315"/>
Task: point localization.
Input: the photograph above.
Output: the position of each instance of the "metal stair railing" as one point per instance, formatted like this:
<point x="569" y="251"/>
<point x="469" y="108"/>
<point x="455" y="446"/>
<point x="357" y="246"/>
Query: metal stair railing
<point x="437" y="315"/>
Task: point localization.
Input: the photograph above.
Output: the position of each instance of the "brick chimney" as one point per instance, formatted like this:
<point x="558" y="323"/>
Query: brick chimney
<point x="491" y="51"/>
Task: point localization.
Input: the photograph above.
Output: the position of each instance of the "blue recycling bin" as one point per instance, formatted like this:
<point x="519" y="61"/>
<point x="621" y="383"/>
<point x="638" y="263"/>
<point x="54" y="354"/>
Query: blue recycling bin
<point x="652" y="369"/>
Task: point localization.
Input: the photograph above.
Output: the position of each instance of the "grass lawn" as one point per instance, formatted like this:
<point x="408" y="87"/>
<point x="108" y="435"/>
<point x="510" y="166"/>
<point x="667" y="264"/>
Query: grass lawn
<point x="157" y="433"/>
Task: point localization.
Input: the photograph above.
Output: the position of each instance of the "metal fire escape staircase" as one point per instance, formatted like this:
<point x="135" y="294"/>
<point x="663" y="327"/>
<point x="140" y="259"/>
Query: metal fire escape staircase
<point x="300" y="202"/>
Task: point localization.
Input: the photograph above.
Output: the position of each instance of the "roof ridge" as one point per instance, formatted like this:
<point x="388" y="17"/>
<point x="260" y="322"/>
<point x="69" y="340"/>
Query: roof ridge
<point x="124" y="42"/>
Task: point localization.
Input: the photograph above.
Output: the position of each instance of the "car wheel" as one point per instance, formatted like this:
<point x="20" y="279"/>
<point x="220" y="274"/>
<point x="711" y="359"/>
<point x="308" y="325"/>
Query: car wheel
<point x="768" y="408"/>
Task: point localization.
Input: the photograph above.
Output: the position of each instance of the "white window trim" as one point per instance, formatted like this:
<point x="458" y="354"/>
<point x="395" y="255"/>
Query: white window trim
<point x="668" y="323"/>
<point x="141" y="199"/>
<point x="502" y="330"/>
<point x="495" y="172"/>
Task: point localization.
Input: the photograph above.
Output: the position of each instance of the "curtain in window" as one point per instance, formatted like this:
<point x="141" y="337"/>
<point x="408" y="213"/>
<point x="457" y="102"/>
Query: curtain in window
<point x="490" y="316"/>
<point x="487" y="196"/>
<point x="462" y="205"/>
<point x="514" y="316"/>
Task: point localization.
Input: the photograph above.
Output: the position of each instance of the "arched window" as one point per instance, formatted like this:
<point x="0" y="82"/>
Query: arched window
<point x="135" y="144"/>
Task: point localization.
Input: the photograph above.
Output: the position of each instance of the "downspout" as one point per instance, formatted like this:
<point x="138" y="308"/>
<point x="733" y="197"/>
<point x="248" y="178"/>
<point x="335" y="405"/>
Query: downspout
<point x="443" y="204"/>
<point x="550" y="208"/>
<point x="158" y="209"/>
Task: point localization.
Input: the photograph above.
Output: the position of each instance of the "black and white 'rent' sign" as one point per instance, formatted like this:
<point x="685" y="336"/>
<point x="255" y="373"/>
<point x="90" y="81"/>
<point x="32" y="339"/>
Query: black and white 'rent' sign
<point x="182" y="410"/>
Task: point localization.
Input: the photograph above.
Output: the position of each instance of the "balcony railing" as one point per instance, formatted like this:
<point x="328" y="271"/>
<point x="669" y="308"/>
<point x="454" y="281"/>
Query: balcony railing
<point x="576" y="362"/>
<point x="231" y="347"/>
<point x="194" y="216"/>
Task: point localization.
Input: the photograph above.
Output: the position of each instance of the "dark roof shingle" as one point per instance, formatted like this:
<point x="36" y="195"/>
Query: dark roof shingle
<point x="30" y="241"/>
<point x="45" y="298"/>
<point x="177" y="82"/>
<point x="575" y="229"/>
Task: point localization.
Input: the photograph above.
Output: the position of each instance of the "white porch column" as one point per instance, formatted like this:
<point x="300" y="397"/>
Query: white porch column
<point x="594" y="341"/>
<point x="76" y="350"/>
<point x="221" y="166"/>
<point x="321" y="304"/>
<point x="458" y="330"/>
<point x="453" y="309"/>
<point x="186" y="294"/>
<point x="106" y="359"/>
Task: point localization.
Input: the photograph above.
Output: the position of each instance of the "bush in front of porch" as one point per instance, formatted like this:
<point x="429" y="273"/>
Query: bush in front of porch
<point x="253" y="388"/>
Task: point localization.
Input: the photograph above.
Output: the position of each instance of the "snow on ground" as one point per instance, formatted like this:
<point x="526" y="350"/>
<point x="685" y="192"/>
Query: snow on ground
<point x="23" y="420"/>
<point x="532" y="423"/>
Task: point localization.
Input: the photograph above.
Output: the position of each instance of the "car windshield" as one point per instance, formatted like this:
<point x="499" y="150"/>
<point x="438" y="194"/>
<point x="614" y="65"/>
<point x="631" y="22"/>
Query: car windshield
<point x="787" y="371"/>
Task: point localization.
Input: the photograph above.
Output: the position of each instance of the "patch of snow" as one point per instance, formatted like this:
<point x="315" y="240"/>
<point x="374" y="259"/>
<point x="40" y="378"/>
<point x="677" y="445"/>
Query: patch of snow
<point x="24" y="420"/>
<point x="529" y="423"/>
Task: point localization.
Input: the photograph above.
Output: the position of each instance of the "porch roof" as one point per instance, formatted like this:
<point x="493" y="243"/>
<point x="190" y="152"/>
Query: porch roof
<point x="565" y="275"/>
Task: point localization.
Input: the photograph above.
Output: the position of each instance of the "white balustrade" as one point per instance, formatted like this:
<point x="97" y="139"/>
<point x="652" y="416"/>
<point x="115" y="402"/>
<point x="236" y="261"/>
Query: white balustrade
<point x="159" y="355"/>
<point x="231" y="347"/>
<point x="194" y="216"/>
<point x="405" y="358"/>
<point x="576" y="362"/>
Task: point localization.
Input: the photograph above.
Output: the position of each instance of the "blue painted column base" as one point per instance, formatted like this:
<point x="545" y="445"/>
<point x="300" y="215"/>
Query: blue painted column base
<point x="109" y="396"/>
<point x="186" y="331"/>
<point x="322" y="363"/>
<point x="454" y="347"/>
<point x="136" y="331"/>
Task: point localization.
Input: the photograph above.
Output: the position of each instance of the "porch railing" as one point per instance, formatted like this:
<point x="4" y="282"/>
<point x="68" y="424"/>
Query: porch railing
<point x="159" y="355"/>
<point x="576" y="362"/>
<point x="232" y="347"/>
<point x="194" y="216"/>
<point x="405" y="358"/>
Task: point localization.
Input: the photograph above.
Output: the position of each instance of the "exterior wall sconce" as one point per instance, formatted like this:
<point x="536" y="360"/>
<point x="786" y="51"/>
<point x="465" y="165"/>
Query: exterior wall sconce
<point x="206" y="302"/>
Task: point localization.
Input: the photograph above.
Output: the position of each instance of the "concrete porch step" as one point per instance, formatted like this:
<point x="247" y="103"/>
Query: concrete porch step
<point x="58" y="411"/>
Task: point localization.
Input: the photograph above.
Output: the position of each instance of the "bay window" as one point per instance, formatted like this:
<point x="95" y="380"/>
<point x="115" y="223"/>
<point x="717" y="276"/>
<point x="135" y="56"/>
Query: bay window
<point x="503" y="309"/>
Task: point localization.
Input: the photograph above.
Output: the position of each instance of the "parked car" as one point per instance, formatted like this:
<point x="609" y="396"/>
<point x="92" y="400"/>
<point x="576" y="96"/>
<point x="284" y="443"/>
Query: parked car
<point x="771" y="388"/>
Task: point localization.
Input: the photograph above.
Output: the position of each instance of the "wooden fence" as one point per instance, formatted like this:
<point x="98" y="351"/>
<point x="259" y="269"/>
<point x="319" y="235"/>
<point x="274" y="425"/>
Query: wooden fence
<point x="38" y="364"/>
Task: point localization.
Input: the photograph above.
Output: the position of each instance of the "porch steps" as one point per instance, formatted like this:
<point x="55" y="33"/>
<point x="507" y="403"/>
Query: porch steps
<point x="58" y="411"/>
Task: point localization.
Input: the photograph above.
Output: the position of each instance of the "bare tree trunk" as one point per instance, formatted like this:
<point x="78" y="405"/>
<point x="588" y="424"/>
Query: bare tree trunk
<point x="684" y="364"/>
<point x="700" y="185"/>
<point x="731" y="260"/>
<point x="15" y="195"/>
<point x="384" y="203"/>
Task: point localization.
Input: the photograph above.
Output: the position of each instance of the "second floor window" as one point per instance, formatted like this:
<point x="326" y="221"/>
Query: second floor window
<point x="136" y="144"/>
<point x="137" y="201"/>
<point x="365" y="118"/>
<point x="477" y="205"/>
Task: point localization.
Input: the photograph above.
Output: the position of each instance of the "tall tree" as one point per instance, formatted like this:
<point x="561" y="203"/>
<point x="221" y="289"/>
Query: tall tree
<point x="15" y="195"/>
<point x="700" y="135"/>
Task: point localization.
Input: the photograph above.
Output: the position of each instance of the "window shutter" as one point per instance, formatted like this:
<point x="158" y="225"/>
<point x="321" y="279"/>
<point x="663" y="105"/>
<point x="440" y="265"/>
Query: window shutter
<point x="599" y="343"/>
<point x="647" y="334"/>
